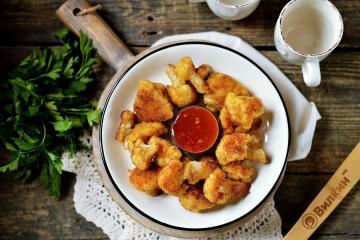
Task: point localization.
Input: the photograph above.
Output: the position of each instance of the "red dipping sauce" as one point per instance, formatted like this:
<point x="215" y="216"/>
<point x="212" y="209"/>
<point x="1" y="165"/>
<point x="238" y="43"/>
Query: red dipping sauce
<point x="195" y="129"/>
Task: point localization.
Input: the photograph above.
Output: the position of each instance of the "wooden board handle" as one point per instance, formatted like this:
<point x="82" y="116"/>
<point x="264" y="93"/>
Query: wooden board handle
<point x="110" y="48"/>
<point x="339" y="185"/>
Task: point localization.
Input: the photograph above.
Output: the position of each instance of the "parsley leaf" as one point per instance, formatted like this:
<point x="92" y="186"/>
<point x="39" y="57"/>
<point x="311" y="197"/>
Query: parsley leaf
<point x="46" y="107"/>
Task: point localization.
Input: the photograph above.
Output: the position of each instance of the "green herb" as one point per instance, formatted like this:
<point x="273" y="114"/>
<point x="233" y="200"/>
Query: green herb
<point x="45" y="108"/>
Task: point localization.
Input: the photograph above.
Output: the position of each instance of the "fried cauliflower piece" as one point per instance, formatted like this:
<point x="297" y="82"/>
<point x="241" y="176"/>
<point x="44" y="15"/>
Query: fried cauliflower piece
<point x="225" y="121"/>
<point x="142" y="154"/>
<point x="171" y="178"/>
<point x="151" y="103"/>
<point x="243" y="110"/>
<point x="185" y="71"/>
<point x="220" y="85"/>
<point x="239" y="170"/>
<point x="204" y="71"/>
<point x="257" y="155"/>
<point x="146" y="181"/>
<point x="198" y="83"/>
<point x="128" y="121"/>
<point x="218" y="189"/>
<point x="182" y="95"/>
<point x="144" y="131"/>
<point x="193" y="199"/>
<point x="194" y="171"/>
<point x="232" y="147"/>
<point x="239" y="146"/>
<point x="166" y="151"/>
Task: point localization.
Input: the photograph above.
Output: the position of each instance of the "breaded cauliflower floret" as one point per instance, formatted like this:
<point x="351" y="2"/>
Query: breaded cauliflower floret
<point x="220" y="85"/>
<point x="243" y="110"/>
<point x="185" y="71"/>
<point x="151" y="103"/>
<point x="182" y="95"/>
<point x="225" y="121"/>
<point x="193" y="199"/>
<point x="171" y="178"/>
<point x="232" y="147"/>
<point x="257" y="155"/>
<point x="218" y="189"/>
<point x="166" y="151"/>
<point x="195" y="171"/>
<point x="146" y="181"/>
<point x="239" y="146"/>
<point x="239" y="170"/>
<point x="128" y="121"/>
<point x="142" y="154"/>
<point x="203" y="71"/>
<point x="144" y="131"/>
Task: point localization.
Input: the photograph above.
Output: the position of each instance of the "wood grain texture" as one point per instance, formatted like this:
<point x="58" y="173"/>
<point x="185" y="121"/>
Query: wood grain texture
<point x="143" y="22"/>
<point x="336" y="135"/>
<point x="330" y="196"/>
<point x="37" y="216"/>
<point x="337" y="98"/>
<point x="27" y="212"/>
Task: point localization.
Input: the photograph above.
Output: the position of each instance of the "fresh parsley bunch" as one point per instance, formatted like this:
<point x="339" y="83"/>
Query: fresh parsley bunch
<point x="45" y="107"/>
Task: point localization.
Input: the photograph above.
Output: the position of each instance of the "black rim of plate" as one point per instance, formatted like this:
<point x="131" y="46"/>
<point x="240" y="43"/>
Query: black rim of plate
<point x="127" y="200"/>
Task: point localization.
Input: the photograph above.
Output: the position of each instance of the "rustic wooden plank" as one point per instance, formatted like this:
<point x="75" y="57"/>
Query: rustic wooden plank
<point x="336" y="237"/>
<point x="297" y="191"/>
<point x="27" y="212"/>
<point x="143" y="22"/>
<point x="338" y="100"/>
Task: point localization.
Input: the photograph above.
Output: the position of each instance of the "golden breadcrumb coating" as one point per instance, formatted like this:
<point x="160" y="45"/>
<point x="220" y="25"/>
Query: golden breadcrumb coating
<point x="185" y="71"/>
<point x="232" y="147"/>
<point x="239" y="146"/>
<point x="203" y="71"/>
<point x="239" y="170"/>
<point x="193" y="199"/>
<point x="198" y="83"/>
<point x="142" y="154"/>
<point x="195" y="171"/>
<point x="160" y="166"/>
<point x="218" y="189"/>
<point x="182" y="95"/>
<point x="166" y="152"/>
<point x="151" y="102"/>
<point x="144" y="131"/>
<point x="225" y="121"/>
<point x="171" y="178"/>
<point x="146" y="181"/>
<point x="243" y="109"/>
<point x="257" y="155"/>
<point x="128" y="121"/>
<point x="175" y="81"/>
<point x="220" y="85"/>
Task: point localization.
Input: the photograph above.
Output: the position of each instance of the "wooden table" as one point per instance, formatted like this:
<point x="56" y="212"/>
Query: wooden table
<point x="27" y="212"/>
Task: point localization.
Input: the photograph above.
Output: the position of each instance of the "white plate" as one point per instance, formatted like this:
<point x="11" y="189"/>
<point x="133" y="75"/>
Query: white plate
<point x="166" y="210"/>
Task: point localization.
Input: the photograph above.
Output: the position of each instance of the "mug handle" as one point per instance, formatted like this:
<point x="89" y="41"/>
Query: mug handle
<point x="311" y="73"/>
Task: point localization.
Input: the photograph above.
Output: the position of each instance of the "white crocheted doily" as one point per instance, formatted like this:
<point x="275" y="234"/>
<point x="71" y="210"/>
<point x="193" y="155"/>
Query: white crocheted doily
<point x="92" y="201"/>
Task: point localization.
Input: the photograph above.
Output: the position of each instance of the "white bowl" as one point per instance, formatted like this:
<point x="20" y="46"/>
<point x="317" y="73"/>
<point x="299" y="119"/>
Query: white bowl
<point x="165" y="210"/>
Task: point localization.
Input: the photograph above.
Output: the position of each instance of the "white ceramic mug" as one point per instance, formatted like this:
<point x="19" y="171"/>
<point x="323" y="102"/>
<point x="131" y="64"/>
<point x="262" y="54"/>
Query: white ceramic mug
<point x="306" y="32"/>
<point x="231" y="9"/>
